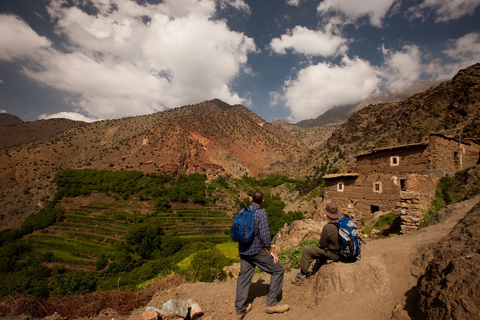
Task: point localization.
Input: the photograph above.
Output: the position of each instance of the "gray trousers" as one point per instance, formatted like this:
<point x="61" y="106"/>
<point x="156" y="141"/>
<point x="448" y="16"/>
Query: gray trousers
<point x="264" y="261"/>
<point x="315" y="253"/>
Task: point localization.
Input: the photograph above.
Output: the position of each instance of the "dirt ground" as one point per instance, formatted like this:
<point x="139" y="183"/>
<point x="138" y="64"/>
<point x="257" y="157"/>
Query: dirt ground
<point x="371" y="288"/>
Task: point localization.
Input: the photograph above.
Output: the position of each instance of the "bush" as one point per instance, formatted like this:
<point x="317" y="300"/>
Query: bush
<point x="207" y="265"/>
<point x="291" y="257"/>
<point x="439" y="202"/>
<point x="67" y="283"/>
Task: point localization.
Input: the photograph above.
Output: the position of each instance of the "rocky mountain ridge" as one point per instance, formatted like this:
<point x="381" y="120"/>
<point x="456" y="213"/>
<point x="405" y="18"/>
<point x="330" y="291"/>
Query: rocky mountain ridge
<point x="215" y="138"/>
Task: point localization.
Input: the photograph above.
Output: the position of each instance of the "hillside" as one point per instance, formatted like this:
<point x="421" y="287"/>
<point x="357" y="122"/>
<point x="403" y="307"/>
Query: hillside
<point x="210" y="137"/>
<point x="14" y="131"/>
<point x="451" y="108"/>
<point x="391" y="281"/>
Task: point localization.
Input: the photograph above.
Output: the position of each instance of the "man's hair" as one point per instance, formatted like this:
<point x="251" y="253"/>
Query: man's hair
<point x="257" y="196"/>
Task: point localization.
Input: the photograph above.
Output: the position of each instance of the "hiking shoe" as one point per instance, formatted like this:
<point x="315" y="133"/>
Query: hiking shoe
<point x="279" y="308"/>
<point x="247" y="309"/>
<point x="299" y="280"/>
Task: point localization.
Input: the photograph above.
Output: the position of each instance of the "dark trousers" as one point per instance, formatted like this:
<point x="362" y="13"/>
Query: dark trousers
<point x="315" y="253"/>
<point x="264" y="261"/>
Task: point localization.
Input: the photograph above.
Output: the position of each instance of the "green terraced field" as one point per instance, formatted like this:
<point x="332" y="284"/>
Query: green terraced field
<point x="94" y="228"/>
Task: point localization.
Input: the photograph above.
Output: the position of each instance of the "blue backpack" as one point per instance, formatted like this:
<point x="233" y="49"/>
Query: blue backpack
<point x="243" y="227"/>
<point x="348" y="239"/>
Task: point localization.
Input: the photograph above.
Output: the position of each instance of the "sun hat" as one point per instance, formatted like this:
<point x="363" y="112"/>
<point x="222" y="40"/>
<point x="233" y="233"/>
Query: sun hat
<point x="332" y="211"/>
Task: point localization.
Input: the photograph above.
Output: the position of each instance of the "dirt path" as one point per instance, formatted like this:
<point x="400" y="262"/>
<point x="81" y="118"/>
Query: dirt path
<point x="370" y="288"/>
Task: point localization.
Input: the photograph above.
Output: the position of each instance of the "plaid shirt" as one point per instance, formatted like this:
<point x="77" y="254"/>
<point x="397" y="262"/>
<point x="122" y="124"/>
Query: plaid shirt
<point x="262" y="233"/>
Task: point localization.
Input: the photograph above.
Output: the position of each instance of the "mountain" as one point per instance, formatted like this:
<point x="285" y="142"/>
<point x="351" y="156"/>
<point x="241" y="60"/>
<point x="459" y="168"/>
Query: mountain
<point x="14" y="131"/>
<point x="9" y="119"/>
<point x="340" y="114"/>
<point x="215" y="138"/>
<point x="211" y="137"/>
<point x="451" y="108"/>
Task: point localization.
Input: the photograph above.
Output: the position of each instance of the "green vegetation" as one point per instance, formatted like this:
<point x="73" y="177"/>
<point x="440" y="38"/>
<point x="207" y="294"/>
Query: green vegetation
<point x="291" y="257"/>
<point x="440" y="200"/>
<point x="462" y="186"/>
<point x="125" y="228"/>
<point x="387" y="219"/>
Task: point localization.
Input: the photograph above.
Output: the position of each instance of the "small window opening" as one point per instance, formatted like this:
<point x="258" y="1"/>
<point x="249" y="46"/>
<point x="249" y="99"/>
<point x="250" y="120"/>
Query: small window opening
<point x="377" y="187"/>
<point x="403" y="185"/>
<point x="340" y="187"/>
<point x="394" y="161"/>
<point x="374" y="209"/>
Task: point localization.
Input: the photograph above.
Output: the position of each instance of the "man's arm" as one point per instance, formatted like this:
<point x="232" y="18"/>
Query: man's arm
<point x="275" y="258"/>
<point x="264" y="231"/>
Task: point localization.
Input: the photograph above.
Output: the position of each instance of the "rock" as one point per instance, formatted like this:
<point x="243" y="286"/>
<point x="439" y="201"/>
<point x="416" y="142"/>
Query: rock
<point x="450" y="287"/>
<point x="149" y="315"/>
<point x="291" y="235"/>
<point x="176" y="307"/>
<point x="195" y="310"/>
<point x="171" y="316"/>
<point x="234" y="269"/>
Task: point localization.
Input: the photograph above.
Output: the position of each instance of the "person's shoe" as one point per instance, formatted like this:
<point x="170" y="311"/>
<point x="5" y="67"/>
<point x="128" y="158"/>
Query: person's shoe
<point x="247" y="309"/>
<point x="279" y="308"/>
<point x="299" y="280"/>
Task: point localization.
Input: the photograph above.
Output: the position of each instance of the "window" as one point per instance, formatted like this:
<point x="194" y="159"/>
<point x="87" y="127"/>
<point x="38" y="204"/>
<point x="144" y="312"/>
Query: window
<point x="394" y="161"/>
<point x="403" y="185"/>
<point x="340" y="186"/>
<point x="377" y="187"/>
<point x="374" y="209"/>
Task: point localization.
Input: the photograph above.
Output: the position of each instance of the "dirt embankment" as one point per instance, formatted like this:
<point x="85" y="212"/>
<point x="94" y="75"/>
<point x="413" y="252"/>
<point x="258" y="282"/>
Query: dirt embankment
<point x="428" y="274"/>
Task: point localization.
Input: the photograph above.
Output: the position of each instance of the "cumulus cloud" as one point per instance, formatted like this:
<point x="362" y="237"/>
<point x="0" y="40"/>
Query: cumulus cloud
<point x="3" y="111"/>
<point x="309" y="42"/>
<point x="18" y="40"/>
<point x="402" y="68"/>
<point x="444" y="10"/>
<point x="67" y="115"/>
<point x="320" y="87"/>
<point x="294" y="3"/>
<point x="466" y="49"/>
<point x="349" y="11"/>
<point x="131" y="59"/>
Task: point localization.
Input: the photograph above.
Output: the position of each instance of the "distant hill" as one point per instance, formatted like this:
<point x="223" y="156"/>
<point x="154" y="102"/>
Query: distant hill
<point x="14" y="131"/>
<point x="211" y="137"/>
<point x="8" y="119"/>
<point x="340" y="114"/>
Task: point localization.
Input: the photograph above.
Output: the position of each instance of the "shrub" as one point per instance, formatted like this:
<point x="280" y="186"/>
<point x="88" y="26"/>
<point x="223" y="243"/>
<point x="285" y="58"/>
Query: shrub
<point x="291" y="257"/>
<point x="207" y="265"/>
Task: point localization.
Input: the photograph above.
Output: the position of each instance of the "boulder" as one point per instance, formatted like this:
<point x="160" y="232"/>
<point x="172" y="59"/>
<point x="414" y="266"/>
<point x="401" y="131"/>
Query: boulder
<point x="195" y="310"/>
<point x="291" y="235"/>
<point x="149" y="315"/>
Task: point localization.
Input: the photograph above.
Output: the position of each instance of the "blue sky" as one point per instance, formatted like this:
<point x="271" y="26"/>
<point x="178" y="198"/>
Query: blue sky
<point x="285" y="59"/>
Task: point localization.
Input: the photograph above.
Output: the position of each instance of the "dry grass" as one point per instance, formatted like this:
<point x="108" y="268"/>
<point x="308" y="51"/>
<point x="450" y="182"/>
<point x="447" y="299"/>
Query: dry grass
<point x="85" y="306"/>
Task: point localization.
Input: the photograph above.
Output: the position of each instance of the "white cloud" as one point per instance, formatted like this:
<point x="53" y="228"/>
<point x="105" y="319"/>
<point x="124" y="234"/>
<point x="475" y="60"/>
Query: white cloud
<point x="135" y="59"/>
<point x="320" y="87"/>
<point x="465" y="50"/>
<point x="352" y="10"/>
<point x="444" y="10"/>
<point x="309" y="42"/>
<point x="18" y="40"/>
<point x="402" y="68"/>
<point x="237" y="4"/>
<point x="67" y="115"/>
<point x="3" y="111"/>
<point x="294" y="3"/>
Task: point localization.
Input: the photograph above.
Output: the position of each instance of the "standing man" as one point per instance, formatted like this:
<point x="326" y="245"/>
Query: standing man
<point x="328" y="245"/>
<point x="259" y="253"/>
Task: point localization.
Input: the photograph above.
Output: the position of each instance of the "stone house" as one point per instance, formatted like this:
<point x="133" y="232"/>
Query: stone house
<point x="401" y="178"/>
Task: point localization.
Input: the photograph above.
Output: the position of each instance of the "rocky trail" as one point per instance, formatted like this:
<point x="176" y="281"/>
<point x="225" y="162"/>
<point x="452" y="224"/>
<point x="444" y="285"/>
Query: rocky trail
<point x="376" y="287"/>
